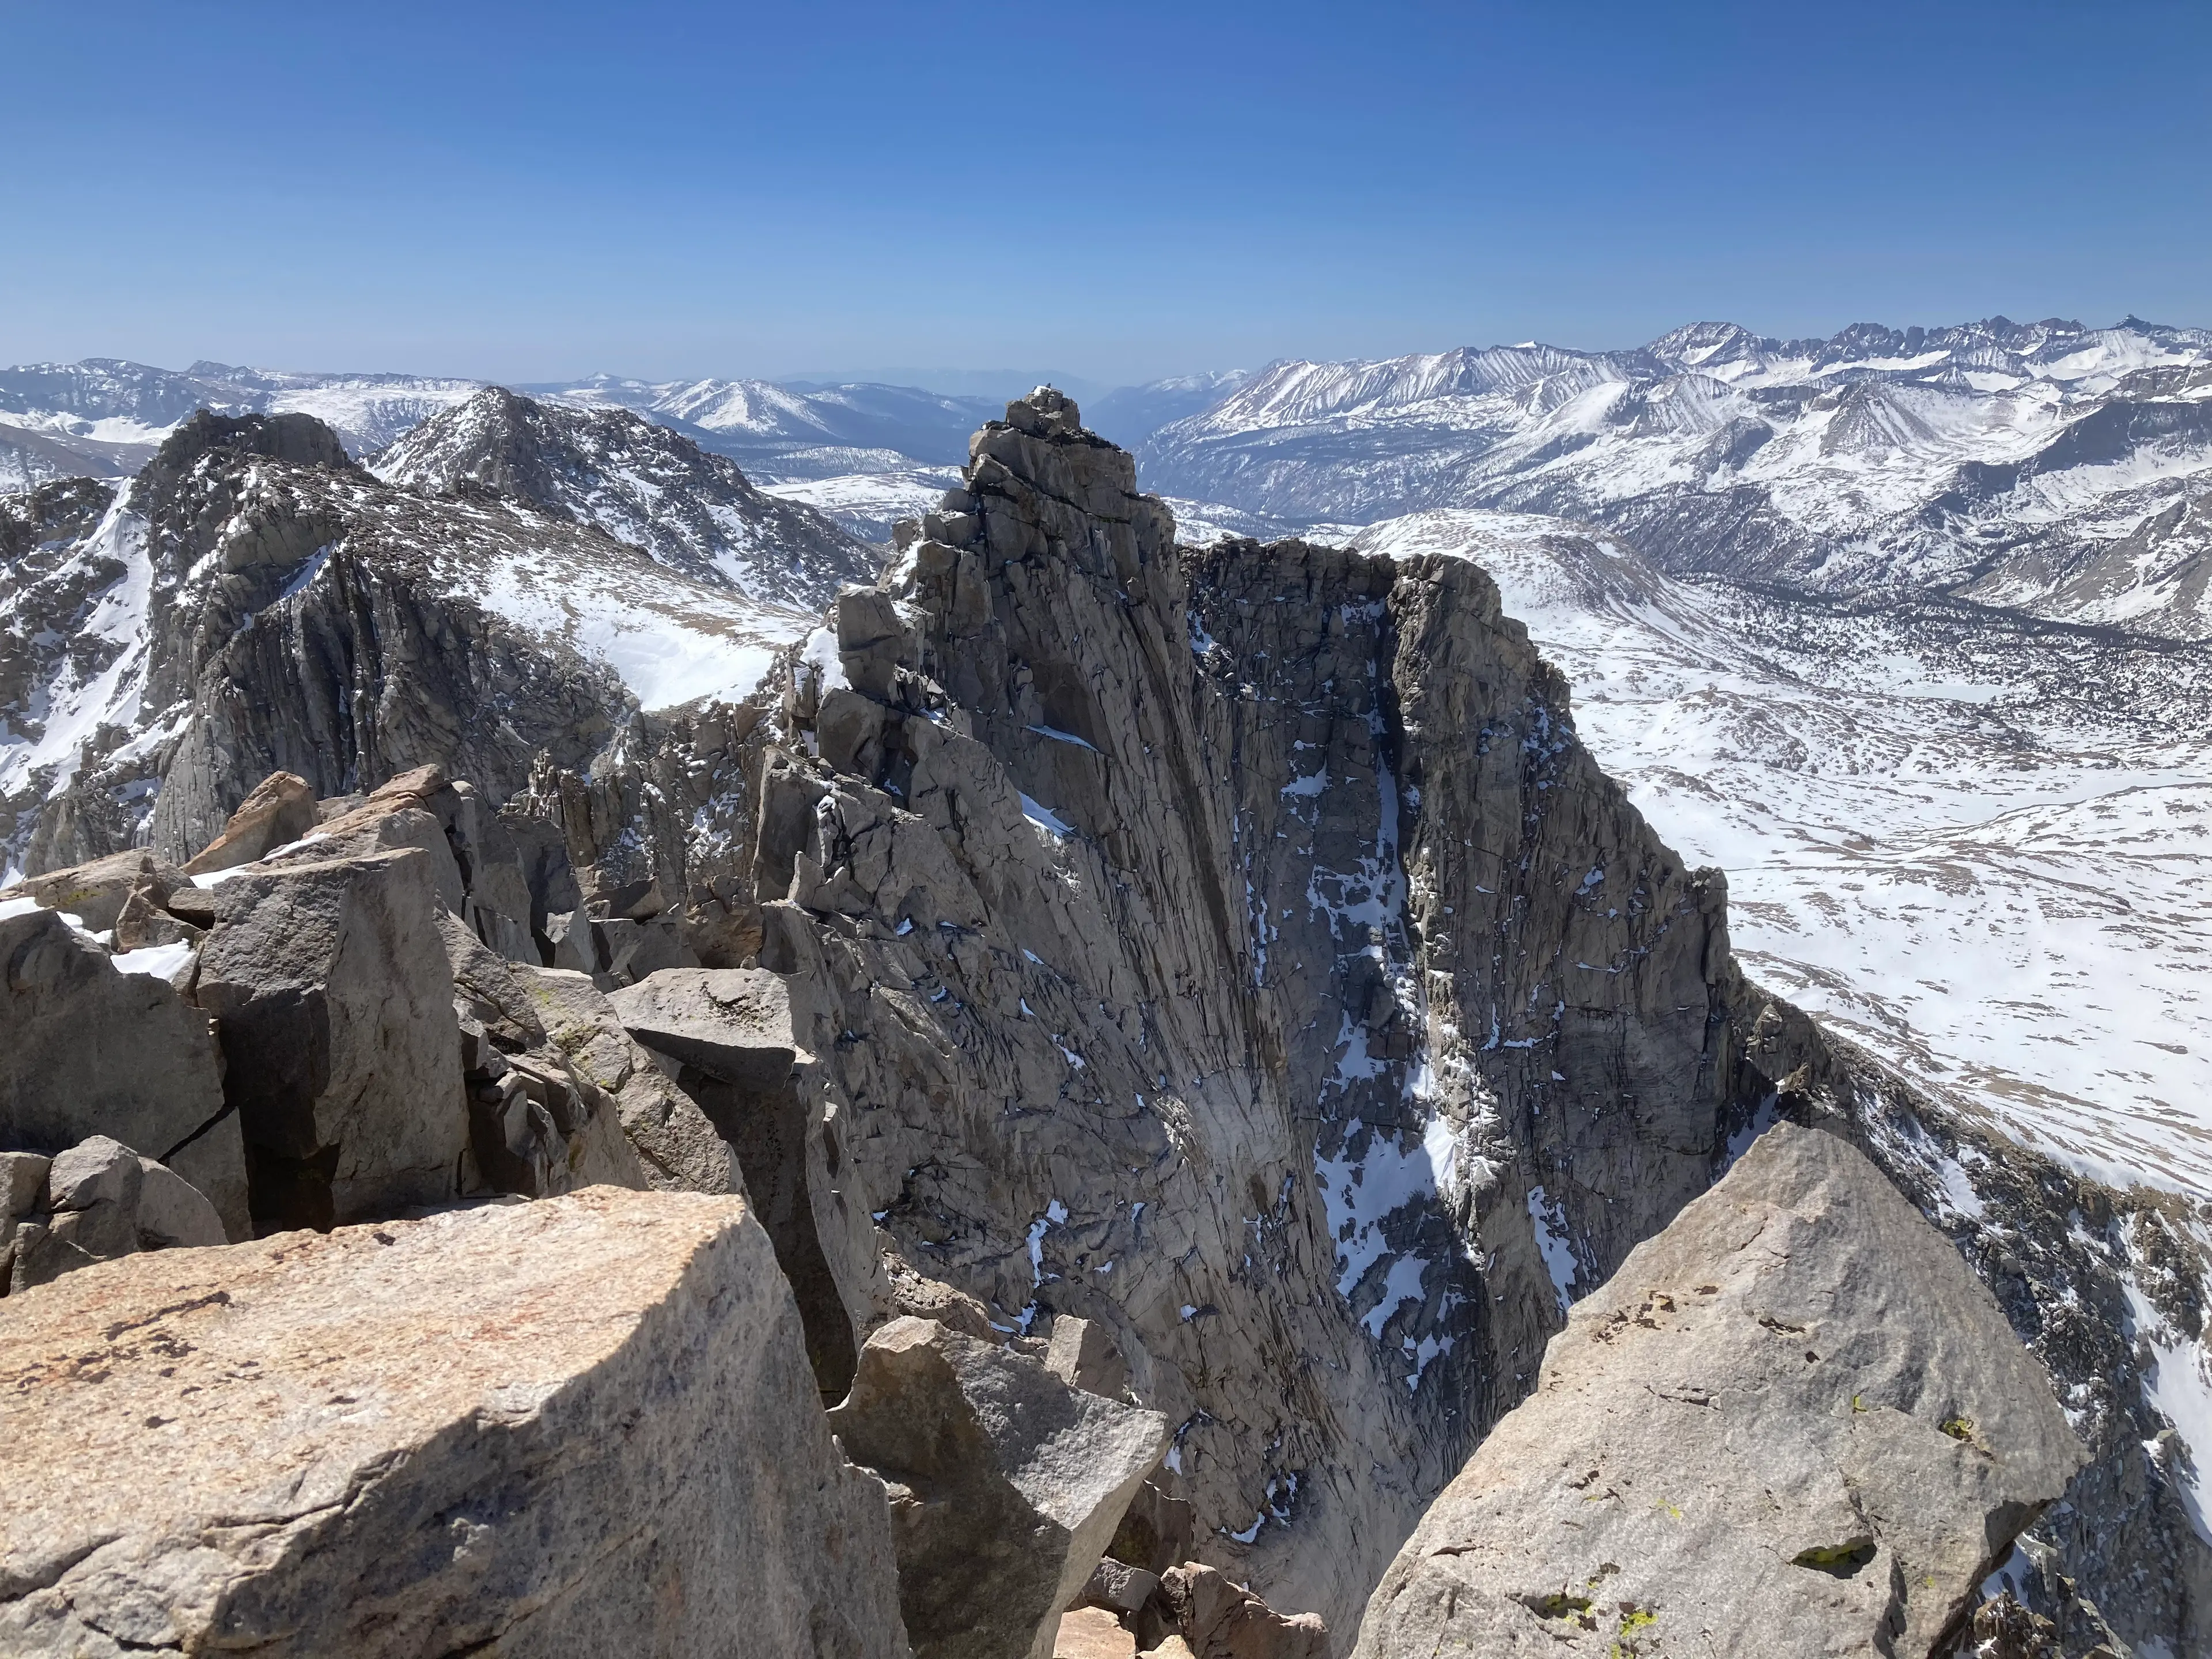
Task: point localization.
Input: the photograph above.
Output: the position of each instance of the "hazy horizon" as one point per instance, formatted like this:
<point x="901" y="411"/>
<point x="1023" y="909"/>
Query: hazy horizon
<point x="538" y="193"/>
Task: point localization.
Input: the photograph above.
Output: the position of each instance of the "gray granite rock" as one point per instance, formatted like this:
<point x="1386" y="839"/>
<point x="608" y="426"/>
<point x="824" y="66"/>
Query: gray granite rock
<point x="90" y="1050"/>
<point x="1005" y="1485"/>
<point x="331" y="988"/>
<point x="1794" y="1423"/>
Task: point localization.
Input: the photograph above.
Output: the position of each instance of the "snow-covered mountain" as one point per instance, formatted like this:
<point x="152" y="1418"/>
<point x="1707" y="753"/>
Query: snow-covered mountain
<point x="786" y="432"/>
<point x="645" y="484"/>
<point x="1131" y="413"/>
<point x="2046" y="466"/>
<point x="104" y="417"/>
<point x="254" y="600"/>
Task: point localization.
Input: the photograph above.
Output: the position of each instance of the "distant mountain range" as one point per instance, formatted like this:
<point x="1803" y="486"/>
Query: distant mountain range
<point x="104" y="417"/>
<point x="2042" y="466"/>
<point x="2046" y="467"/>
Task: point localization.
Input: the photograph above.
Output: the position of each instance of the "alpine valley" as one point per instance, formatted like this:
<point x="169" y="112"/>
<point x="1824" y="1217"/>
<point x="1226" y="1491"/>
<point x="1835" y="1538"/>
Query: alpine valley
<point x="1512" y="1001"/>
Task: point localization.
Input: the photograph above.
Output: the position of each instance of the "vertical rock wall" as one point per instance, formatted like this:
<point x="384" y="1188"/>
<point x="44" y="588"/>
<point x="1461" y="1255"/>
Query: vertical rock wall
<point x="1241" y="954"/>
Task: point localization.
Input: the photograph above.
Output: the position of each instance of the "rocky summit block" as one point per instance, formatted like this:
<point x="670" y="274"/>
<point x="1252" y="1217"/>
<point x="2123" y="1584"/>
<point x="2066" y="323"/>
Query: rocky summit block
<point x="1794" y="1424"/>
<point x="579" y="1426"/>
<point x="331" y="988"/>
<point x="1005" y="1484"/>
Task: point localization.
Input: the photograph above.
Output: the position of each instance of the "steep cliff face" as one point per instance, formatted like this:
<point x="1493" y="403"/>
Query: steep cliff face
<point x="1241" y="954"/>
<point x="1238" y="949"/>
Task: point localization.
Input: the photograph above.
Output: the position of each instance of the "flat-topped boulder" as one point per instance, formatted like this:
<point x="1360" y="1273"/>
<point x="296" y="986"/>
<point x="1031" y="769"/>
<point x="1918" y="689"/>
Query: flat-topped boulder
<point x="582" y="1425"/>
<point x="733" y="1024"/>
<point x="1793" y="1424"/>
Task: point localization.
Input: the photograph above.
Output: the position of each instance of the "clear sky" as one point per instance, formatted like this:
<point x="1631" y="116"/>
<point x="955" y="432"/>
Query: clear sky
<point x="1114" y="190"/>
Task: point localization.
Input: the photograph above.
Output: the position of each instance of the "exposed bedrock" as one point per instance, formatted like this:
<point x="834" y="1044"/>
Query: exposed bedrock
<point x="580" y="1426"/>
<point x="725" y="1035"/>
<point x="1237" y="950"/>
<point x="1793" y="1424"/>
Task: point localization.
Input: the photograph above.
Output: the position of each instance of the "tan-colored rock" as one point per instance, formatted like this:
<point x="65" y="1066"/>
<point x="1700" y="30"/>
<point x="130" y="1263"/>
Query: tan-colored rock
<point x="1092" y="1633"/>
<point x="96" y="893"/>
<point x="1172" y="1647"/>
<point x="579" y="1427"/>
<point x="1794" y="1424"/>
<point x="280" y="810"/>
<point x="1005" y="1485"/>
<point x="331" y="991"/>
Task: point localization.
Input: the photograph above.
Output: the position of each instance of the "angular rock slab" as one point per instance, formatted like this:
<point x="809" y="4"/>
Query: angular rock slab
<point x="676" y="1147"/>
<point x="280" y="809"/>
<point x="1793" y="1424"/>
<point x="86" y="1050"/>
<point x="582" y="1425"/>
<point x="731" y="1023"/>
<point x="1005" y="1484"/>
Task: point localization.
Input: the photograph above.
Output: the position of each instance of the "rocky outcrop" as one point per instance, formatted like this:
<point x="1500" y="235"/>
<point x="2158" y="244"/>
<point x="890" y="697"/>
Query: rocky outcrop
<point x="1793" y="1422"/>
<point x="518" y="1430"/>
<point x="277" y="811"/>
<point x="328" y="984"/>
<point x="1216" y="1618"/>
<point x="1208" y="946"/>
<point x="96" y="1201"/>
<point x="96" y="1047"/>
<point x="676" y="1145"/>
<point x="725" y="1035"/>
<point x="254" y="604"/>
<point x="1005" y="1485"/>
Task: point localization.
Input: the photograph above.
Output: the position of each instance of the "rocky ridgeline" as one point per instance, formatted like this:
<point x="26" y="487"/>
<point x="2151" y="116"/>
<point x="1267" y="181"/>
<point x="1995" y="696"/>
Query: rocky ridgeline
<point x="1185" y="1028"/>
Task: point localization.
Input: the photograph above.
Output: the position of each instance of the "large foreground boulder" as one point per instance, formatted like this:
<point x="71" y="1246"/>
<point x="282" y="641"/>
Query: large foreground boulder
<point x="580" y="1426"/>
<point x="87" y="1049"/>
<point x="1793" y="1424"/>
<point x="1005" y="1484"/>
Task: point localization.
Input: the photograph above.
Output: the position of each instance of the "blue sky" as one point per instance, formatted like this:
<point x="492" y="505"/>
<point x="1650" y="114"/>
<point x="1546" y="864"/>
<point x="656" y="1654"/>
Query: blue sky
<point x="1114" y="190"/>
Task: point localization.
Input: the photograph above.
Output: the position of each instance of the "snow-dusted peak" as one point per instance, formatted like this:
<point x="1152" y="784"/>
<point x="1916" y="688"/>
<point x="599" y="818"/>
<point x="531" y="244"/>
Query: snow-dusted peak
<point x="643" y="483"/>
